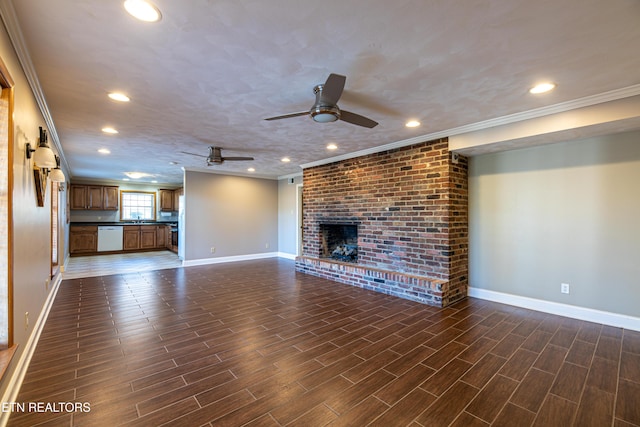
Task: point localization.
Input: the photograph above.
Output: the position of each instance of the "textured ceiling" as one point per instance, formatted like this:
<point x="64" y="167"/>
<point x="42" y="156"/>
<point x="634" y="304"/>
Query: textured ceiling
<point x="210" y="71"/>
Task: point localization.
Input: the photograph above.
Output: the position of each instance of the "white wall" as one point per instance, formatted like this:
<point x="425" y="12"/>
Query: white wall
<point x="560" y="213"/>
<point x="236" y="215"/>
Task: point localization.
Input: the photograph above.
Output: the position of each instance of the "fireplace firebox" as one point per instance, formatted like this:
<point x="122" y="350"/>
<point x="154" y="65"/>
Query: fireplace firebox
<point x="339" y="242"/>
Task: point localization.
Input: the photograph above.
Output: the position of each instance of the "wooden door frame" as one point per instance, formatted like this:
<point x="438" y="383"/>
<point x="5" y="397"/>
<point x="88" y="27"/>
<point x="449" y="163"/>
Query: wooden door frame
<point x="299" y="219"/>
<point x="7" y="94"/>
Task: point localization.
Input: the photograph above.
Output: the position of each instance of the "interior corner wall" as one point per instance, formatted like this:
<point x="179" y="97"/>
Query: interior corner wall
<point x="238" y="216"/>
<point x="561" y="213"/>
<point x="288" y="215"/>
<point x="31" y="226"/>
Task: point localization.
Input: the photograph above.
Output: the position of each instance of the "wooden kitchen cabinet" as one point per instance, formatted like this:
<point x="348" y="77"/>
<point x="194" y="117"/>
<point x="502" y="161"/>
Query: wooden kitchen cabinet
<point x="83" y="239"/>
<point x="161" y="236"/>
<point x="85" y="197"/>
<point x="93" y="197"/>
<point x="166" y="200"/>
<point x="148" y="236"/>
<point x="167" y="234"/>
<point x="176" y="198"/>
<point x="110" y="199"/>
<point x="169" y="199"/>
<point x="139" y="237"/>
<point x="78" y="196"/>
<point x="131" y="237"/>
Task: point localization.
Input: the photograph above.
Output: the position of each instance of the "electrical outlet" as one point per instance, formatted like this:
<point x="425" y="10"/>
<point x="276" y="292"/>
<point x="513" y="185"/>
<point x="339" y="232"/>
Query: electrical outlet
<point x="26" y="320"/>
<point x="213" y="249"/>
<point x="266" y="246"/>
<point x="46" y="285"/>
<point x="564" y="288"/>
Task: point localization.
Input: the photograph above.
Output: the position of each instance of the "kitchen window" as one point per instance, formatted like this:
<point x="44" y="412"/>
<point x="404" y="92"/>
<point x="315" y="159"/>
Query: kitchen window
<point x="137" y="206"/>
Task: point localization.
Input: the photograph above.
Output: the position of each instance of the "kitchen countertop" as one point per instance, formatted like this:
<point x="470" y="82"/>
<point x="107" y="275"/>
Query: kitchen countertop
<point x="172" y="223"/>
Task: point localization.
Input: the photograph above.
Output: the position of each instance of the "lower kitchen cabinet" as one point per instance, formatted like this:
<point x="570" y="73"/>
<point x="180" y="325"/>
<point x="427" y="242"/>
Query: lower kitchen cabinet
<point x="170" y="235"/>
<point x="131" y="237"/>
<point x="162" y="234"/>
<point x="148" y="236"/>
<point x="83" y="239"/>
<point x="144" y="237"/>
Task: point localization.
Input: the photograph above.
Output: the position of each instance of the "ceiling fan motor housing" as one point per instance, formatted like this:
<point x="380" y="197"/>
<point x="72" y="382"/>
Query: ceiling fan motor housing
<point x="323" y="112"/>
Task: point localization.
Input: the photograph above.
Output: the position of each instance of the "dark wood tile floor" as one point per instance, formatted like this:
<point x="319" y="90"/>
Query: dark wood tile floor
<point x="256" y="344"/>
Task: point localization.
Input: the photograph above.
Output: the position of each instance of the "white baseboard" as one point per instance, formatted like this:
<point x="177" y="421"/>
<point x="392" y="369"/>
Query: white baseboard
<point x="14" y="382"/>
<point x="287" y="256"/>
<point x="575" y="312"/>
<point x="235" y="258"/>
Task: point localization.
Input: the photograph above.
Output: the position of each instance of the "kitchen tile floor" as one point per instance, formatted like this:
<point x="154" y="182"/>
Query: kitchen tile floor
<point x="103" y="265"/>
<point x="256" y="344"/>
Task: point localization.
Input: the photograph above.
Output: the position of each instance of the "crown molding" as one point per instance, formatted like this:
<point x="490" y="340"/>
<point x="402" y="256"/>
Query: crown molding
<point x="10" y="20"/>
<point x="231" y="173"/>
<point x="8" y="15"/>
<point x="291" y="175"/>
<point x="562" y="107"/>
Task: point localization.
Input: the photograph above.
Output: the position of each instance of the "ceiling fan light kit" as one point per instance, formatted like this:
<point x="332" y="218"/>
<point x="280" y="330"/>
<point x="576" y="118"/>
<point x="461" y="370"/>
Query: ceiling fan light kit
<point x="325" y="115"/>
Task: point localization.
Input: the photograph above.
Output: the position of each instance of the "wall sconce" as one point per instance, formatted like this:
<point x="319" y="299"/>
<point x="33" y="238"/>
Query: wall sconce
<point x="56" y="174"/>
<point x="43" y="157"/>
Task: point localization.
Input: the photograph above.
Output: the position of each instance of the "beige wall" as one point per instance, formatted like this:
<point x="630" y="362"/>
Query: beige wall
<point x="31" y="224"/>
<point x="561" y="213"/>
<point x="236" y="215"/>
<point x="288" y="215"/>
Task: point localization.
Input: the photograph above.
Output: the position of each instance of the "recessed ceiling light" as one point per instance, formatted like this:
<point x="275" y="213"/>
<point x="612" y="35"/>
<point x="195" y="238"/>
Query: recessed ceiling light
<point x="412" y="124"/>
<point x="285" y="159"/>
<point x="173" y="163"/>
<point x="136" y="175"/>
<point x="125" y="179"/>
<point x="109" y="130"/>
<point x="542" y="88"/>
<point x="143" y="10"/>
<point x="332" y="147"/>
<point x="116" y="96"/>
<point x="154" y="182"/>
<point x="251" y="170"/>
<point x="104" y="151"/>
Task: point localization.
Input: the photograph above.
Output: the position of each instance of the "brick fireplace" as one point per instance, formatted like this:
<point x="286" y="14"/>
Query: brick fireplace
<point x="410" y="208"/>
<point x="339" y="241"/>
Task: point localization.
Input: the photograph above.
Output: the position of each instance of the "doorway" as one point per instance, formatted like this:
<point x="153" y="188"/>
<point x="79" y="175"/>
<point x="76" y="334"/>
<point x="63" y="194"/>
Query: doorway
<point x="300" y="219"/>
<point x="6" y="220"/>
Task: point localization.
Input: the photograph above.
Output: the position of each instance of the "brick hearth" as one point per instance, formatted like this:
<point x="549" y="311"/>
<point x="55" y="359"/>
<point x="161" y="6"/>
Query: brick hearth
<point x="410" y="205"/>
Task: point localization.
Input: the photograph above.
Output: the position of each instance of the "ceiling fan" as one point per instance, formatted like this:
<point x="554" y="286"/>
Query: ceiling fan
<point x="215" y="156"/>
<point x="326" y="108"/>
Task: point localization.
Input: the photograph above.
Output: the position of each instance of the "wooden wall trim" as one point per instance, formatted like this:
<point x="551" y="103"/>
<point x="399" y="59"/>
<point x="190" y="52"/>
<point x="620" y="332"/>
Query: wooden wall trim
<point x="5" y="78"/>
<point x="7" y="96"/>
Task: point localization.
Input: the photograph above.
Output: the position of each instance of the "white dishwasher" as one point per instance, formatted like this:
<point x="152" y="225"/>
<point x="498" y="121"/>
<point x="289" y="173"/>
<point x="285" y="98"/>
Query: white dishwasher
<point x="109" y="238"/>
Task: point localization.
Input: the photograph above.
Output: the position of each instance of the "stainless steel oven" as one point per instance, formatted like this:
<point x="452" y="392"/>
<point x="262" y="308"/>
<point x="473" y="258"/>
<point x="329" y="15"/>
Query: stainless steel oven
<point x="174" y="236"/>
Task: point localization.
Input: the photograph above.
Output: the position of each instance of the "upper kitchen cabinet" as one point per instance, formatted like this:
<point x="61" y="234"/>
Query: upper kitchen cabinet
<point x="110" y="198"/>
<point x="176" y="198"/>
<point x="169" y="199"/>
<point x="94" y="197"/>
